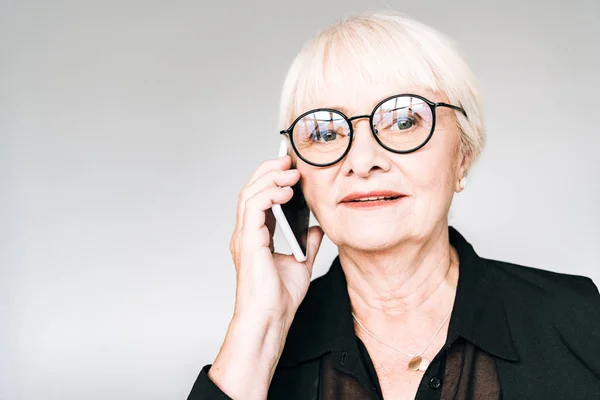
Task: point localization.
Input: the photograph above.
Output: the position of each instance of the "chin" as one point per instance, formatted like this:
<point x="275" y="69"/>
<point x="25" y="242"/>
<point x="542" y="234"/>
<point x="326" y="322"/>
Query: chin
<point x="372" y="237"/>
<point x="372" y="246"/>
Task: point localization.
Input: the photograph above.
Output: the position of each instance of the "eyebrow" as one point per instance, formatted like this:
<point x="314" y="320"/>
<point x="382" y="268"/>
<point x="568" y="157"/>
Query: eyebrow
<point x="346" y="112"/>
<point x="343" y="109"/>
<point x="334" y="107"/>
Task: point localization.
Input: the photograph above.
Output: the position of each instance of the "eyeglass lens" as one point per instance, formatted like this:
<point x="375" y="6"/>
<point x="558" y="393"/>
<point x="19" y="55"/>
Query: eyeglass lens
<point x="401" y="123"/>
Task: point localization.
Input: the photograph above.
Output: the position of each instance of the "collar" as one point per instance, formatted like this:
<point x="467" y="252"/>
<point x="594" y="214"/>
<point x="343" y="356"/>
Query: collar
<point x="323" y="322"/>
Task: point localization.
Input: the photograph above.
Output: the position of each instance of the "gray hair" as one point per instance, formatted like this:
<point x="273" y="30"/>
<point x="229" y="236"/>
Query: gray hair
<point x="389" y="47"/>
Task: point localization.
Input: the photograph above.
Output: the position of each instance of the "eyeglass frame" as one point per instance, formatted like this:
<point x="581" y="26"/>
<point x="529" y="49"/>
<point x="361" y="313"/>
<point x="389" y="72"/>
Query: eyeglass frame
<point x="432" y="105"/>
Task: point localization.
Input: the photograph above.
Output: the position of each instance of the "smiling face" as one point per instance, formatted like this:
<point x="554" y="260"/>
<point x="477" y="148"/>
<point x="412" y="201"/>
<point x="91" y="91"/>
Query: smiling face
<point x="427" y="177"/>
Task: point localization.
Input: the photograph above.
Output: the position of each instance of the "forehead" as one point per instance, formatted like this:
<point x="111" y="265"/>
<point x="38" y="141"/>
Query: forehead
<point x="355" y="77"/>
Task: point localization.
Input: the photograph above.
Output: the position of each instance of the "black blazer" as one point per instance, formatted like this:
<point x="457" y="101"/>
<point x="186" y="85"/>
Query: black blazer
<point x="540" y="328"/>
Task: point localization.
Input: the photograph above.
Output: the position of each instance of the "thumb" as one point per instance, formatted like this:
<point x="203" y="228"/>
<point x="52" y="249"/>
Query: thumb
<point x="315" y="237"/>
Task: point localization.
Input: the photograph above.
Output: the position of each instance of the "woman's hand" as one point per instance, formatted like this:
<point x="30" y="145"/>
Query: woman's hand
<point x="270" y="286"/>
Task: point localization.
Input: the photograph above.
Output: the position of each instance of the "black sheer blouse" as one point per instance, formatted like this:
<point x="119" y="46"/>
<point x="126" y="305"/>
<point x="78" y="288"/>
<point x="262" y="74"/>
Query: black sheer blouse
<point x="555" y="320"/>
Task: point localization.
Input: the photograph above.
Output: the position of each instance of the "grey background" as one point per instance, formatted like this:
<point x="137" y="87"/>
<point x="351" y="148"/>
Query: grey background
<point x="128" y="127"/>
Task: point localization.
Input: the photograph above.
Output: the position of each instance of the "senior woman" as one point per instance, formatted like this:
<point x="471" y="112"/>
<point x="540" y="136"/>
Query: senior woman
<point x="384" y="123"/>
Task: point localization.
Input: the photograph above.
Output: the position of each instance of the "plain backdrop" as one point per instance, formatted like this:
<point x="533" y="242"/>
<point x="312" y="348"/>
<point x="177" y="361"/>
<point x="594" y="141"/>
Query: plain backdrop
<point x="128" y="127"/>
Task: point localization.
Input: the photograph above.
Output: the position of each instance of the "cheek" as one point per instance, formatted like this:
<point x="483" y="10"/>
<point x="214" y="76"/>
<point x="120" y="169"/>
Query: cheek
<point x="430" y="173"/>
<point x="317" y="186"/>
<point x="433" y="176"/>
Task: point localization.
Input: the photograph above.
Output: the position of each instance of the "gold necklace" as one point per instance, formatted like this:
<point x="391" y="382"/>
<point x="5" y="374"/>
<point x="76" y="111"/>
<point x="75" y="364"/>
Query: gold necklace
<point x="416" y="363"/>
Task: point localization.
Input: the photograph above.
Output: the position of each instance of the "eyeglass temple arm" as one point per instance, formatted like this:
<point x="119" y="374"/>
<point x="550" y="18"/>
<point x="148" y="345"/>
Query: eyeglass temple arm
<point x="452" y="107"/>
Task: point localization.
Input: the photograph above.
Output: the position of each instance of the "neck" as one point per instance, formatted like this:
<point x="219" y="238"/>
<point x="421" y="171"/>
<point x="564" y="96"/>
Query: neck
<point x="414" y="277"/>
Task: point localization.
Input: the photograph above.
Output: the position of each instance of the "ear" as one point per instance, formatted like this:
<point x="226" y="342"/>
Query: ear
<point x="464" y="163"/>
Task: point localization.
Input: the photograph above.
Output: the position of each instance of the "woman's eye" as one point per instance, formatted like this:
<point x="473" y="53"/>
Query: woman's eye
<point x="326" y="136"/>
<point x="404" y="123"/>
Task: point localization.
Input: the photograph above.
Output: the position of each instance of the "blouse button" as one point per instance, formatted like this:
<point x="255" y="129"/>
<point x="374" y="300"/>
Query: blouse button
<point x="435" y="382"/>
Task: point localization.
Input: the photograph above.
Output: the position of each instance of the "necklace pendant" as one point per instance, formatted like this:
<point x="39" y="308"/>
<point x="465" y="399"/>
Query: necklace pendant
<point x="417" y="363"/>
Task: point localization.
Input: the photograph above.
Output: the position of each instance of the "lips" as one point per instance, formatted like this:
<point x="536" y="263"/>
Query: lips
<point x="376" y="195"/>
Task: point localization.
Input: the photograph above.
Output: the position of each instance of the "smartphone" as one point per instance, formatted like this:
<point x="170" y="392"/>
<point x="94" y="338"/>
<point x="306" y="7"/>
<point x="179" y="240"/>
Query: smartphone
<point x="293" y="216"/>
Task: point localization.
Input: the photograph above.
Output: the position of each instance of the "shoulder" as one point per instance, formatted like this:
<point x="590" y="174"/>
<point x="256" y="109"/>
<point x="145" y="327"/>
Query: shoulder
<point x="553" y="312"/>
<point x="538" y="284"/>
<point x="535" y="293"/>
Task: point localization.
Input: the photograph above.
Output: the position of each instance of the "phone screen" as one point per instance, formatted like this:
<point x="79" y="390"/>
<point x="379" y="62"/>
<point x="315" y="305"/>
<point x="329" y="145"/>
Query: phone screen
<point x="297" y="213"/>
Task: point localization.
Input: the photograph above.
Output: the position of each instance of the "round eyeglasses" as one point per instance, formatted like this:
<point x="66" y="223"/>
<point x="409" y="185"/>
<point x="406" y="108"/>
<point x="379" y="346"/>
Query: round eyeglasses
<point x="401" y="124"/>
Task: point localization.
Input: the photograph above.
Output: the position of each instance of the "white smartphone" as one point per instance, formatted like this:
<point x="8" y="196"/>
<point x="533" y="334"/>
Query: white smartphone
<point x="293" y="216"/>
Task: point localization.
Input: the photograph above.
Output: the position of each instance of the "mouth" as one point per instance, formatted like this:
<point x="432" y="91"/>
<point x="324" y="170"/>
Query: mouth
<point x="372" y="199"/>
<point x="367" y="199"/>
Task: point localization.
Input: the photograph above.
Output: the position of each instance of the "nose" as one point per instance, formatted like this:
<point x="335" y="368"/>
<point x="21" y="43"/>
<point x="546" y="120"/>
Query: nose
<point x="365" y="155"/>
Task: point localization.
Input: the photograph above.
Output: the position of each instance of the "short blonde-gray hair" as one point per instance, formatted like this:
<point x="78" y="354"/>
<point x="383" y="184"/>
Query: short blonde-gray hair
<point x="388" y="47"/>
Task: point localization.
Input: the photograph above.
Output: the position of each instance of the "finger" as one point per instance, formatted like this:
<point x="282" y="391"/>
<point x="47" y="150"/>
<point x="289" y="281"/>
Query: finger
<point x="283" y="162"/>
<point x="315" y="238"/>
<point x="270" y="179"/>
<point x="254" y="215"/>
